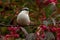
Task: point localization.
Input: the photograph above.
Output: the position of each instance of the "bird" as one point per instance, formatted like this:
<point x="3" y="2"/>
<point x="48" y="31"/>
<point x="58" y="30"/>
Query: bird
<point x="23" y="17"/>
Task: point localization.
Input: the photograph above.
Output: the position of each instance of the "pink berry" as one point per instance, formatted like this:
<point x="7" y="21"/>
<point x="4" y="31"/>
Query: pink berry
<point x="53" y="29"/>
<point x="43" y="27"/>
<point x="7" y="36"/>
<point x="16" y="35"/>
<point x="43" y="35"/>
<point x="58" y="30"/>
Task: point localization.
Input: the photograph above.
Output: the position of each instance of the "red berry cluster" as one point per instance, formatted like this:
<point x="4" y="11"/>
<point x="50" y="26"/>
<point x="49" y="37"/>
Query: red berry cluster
<point x="40" y="32"/>
<point x="13" y="32"/>
<point x="53" y="29"/>
<point x="57" y="31"/>
<point x="45" y="2"/>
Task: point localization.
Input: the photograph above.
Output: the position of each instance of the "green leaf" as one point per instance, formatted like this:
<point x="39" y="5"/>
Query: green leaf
<point x="4" y="0"/>
<point x="48" y="11"/>
<point x="58" y="0"/>
<point x="58" y="5"/>
<point x="1" y="9"/>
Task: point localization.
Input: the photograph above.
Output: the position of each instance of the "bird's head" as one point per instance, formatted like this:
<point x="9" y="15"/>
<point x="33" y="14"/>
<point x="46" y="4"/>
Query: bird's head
<point x="25" y="8"/>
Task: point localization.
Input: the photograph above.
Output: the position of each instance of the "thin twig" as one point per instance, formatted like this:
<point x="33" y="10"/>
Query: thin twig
<point x="1" y="24"/>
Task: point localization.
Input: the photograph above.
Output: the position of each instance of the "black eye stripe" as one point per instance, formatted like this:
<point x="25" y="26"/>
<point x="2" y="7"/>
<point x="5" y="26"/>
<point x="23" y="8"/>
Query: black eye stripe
<point x="26" y="9"/>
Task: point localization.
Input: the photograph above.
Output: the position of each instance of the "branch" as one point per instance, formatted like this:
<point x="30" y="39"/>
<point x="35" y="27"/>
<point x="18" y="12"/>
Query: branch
<point x="53" y="20"/>
<point x="24" y="31"/>
<point x="1" y="24"/>
<point x="57" y="16"/>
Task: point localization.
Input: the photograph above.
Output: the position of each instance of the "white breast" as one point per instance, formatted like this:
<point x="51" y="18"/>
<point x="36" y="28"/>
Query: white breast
<point x="23" y="18"/>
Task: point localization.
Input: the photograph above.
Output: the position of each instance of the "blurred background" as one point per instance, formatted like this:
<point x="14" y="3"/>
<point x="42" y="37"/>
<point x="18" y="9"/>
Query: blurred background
<point x="9" y="9"/>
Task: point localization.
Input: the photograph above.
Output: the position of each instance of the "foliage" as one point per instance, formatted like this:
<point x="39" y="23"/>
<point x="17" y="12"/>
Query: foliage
<point x="10" y="8"/>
